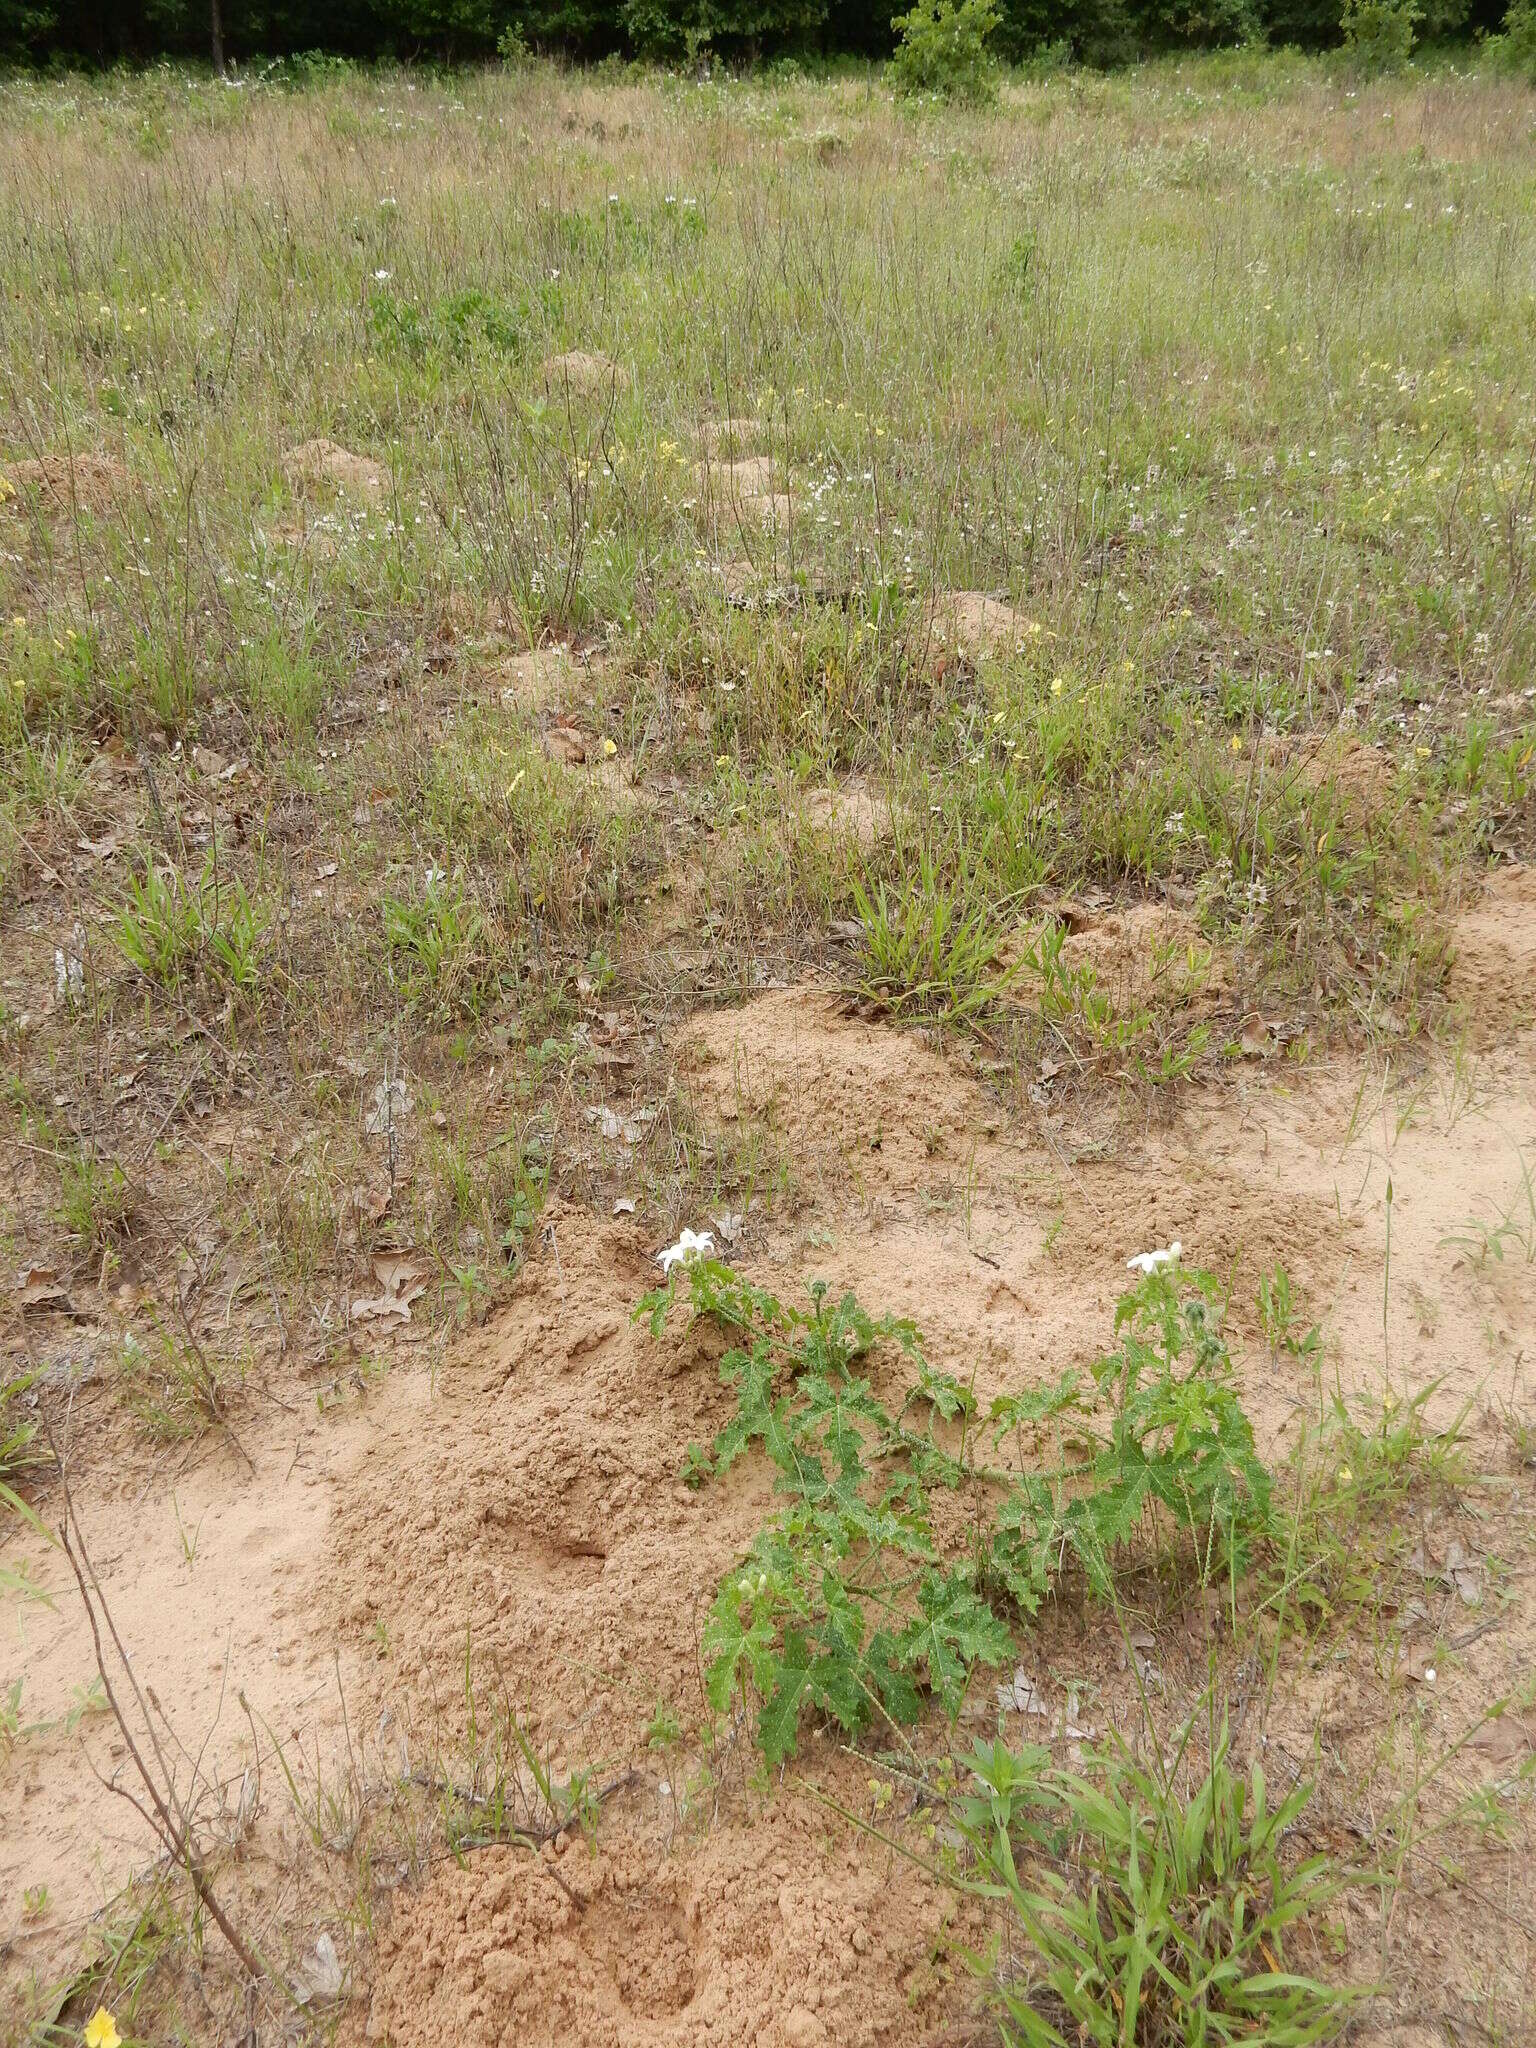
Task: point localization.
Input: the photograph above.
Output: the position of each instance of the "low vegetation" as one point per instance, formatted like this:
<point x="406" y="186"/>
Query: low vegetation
<point x="1041" y="556"/>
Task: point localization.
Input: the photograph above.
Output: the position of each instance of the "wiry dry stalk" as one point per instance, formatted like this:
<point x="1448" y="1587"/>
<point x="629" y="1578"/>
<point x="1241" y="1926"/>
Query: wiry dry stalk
<point x="166" y="1811"/>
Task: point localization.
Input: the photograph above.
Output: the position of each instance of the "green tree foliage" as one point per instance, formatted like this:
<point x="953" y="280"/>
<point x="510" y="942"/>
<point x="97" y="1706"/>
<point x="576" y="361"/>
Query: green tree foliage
<point x="1099" y="32"/>
<point x="1517" y="45"/>
<point x="944" y="51"/>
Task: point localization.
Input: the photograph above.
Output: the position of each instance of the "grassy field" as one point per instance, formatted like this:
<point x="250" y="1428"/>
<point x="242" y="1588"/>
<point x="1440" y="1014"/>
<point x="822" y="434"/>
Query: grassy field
<point x="1033" y="613"/>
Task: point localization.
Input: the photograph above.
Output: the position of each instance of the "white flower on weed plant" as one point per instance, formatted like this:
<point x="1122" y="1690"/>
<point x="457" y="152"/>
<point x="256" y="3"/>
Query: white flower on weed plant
<point x="691" y="1245"/>
<point x="1153" y="1262"/>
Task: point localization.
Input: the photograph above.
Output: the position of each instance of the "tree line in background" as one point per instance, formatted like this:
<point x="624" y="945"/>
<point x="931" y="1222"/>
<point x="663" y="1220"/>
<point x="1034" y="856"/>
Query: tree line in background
<point x="1098" y="32"/>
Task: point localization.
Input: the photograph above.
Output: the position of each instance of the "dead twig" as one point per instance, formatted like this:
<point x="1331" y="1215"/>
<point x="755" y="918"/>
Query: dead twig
<point x="166" y="1813"/>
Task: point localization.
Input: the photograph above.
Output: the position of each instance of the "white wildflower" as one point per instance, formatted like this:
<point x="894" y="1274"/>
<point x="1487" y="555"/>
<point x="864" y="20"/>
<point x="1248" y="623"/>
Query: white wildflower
<point x="691" y="1246"/>
<point x="1153" y="1262"/>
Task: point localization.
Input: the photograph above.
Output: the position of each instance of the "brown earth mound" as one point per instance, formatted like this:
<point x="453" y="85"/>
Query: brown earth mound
<point x="971" y="624"/>
<point x="587" y="375"/>
<point x="93" y="482"/>
<point x="1147" y="954"/>
<point x="543" y="1509"/>
<point x="1492" y="977"/>
<point x="323" y="464"/>
<point x="728" y="436"/>
<point x="778" y="1929"/>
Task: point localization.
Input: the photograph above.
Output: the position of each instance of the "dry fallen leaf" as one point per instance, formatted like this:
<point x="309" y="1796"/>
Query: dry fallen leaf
<point x="320" y="1975"/>
<point x="630" y="1129"/>
<point x="566" y="743"/>
<point x="402" y="1278"/>
<point x="1021" y="1696"/>
<point x="1463" y="1571"/>
<point x="1257" y="1039"/>
<point x="39" y="1287"/>
<point x="391" y="1106"/>
<point x="1505" y="1739"/>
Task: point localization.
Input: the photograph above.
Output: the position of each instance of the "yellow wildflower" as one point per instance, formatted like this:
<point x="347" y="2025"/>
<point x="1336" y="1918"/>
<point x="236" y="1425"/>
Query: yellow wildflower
<point x="101" y="2030"/>
<point x="609" y="749"/>
<point x="1237" y="743"/>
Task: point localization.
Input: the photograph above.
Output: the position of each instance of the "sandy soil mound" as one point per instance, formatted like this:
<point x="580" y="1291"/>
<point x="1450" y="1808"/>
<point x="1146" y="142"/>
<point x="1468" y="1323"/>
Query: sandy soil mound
<point x="534" y="1507"/>
<point x="587" y="375"/>
<point x="543" y="1507"/>
<point x="853" y="810"/>
<point x="1147" y="953"/>
<point x="322" y="464"/>
<point x="940" y="1198"/>
<point x="776" y="1931"/>
<point x="729" y="436"/>
<point x="744" y="489"/>
<point x="1493" y="967"/>
<point x="92" y="481"/>
<point x="545" y="676"/>
<point x="971" y="624"/>
<point x="750" y="477"/>
<point x="1362" y="775"/>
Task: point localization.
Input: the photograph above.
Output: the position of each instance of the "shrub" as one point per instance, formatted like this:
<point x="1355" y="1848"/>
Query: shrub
<point x="1516" y="47"/>
<point x="688" y="29"/>
<point x="944" y="51"/>
<point x="1378" y="34"/>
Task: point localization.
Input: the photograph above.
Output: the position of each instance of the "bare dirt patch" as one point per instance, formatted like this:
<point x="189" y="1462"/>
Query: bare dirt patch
<point x="93" y="481"/>
<point x="1492" y="978"/>
<point x="773" y="1929"/>
<point x="971" y="624"/>
<point x="325" y="465"/>
<point x="586" y="374"/>
<point x="729" y="437"/>
<point x="209" y="1569"/>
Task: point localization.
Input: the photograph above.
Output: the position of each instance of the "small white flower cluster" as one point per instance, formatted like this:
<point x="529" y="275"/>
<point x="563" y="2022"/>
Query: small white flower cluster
<point x="1153" y="1262"/>
<point x="691" y="1246"/>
